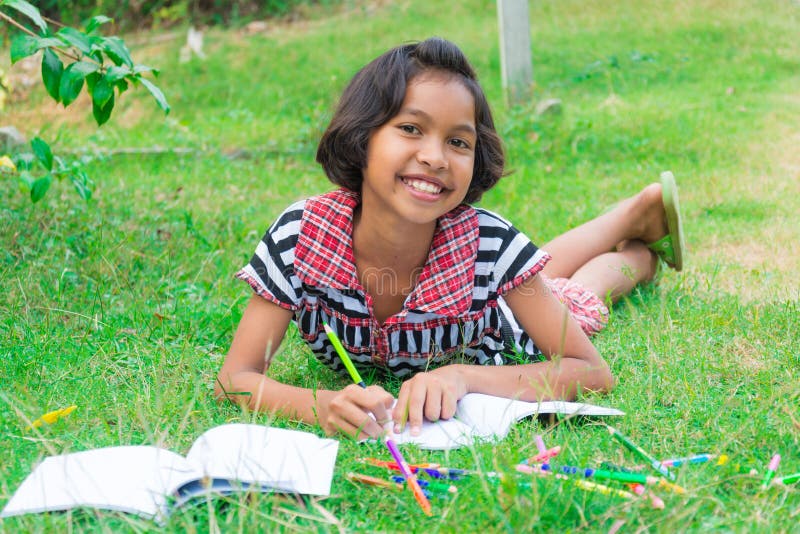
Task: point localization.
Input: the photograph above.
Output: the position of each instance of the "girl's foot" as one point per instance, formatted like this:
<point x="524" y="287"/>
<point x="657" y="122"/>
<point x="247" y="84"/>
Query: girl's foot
<point x="649" y="213"/>
<point x="657" y="221"/>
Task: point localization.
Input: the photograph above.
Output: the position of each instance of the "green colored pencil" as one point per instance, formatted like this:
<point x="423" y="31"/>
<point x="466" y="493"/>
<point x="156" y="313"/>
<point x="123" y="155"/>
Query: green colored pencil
<point x="655" y="464"/>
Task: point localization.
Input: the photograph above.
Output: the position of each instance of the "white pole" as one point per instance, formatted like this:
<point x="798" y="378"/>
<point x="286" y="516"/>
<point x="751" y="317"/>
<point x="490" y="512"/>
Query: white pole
<point x="515" y="49"/>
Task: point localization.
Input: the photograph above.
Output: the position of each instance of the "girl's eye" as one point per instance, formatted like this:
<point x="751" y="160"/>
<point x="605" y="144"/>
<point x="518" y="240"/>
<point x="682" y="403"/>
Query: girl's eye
<point x="408" y="128"/>
<point x="459" y="143"/>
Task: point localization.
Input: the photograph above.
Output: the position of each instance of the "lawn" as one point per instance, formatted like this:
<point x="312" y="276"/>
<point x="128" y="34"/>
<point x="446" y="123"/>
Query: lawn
<point x="125" y="306"/>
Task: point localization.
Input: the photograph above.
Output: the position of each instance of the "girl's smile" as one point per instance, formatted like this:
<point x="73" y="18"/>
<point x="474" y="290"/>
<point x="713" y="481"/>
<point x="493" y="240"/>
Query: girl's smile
<point x="420" y="163"/>
<point x="424" y="187"/>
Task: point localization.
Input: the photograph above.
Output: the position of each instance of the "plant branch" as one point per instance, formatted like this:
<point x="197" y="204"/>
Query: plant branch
<point x="19" y="26"/>
<point x="16" y="24"/>
<point x="73" y="57"/>
<point x="54" y="22"/>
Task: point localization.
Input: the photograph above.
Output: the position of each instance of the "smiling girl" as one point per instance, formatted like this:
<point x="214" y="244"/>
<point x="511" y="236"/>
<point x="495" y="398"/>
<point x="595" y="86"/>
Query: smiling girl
<point x="418" y="282"/>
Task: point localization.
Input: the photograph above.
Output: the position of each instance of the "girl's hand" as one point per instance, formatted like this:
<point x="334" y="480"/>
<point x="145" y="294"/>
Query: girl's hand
<point x="432" y="395"/>
<point x="347" y="411"/>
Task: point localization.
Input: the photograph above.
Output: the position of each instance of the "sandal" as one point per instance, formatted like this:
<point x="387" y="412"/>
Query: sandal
<point x="670" y="248"/>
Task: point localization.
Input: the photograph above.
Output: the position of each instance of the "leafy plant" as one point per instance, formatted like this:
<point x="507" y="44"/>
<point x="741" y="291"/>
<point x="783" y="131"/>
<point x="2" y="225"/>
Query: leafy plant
<point x="103" y="64"/>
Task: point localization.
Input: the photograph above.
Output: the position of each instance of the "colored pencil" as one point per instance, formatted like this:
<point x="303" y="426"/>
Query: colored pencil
<point x="411" y="479"/>
<point x="771" y="468"/>
<point x="337" y="345"/>
<point x="540" y="444"/>
<point x="430" y="485"/>
<point x="620" y="476"/>
<point x="434" y="470"/>
<point x="419" y="495"/>
<point x="655" y="464"/>
<point x="696" y="459"/>
<point x="543" y="457"/>
<point x="583" y="484"/>
<point x="655" y="500"/>
<point x="373" y="481"/>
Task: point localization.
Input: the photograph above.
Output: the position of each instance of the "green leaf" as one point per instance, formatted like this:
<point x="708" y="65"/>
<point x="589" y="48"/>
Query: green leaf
<point x="85" y="67"/>
<point x="115" y="48"/>
<point x="76" y="38"/>
<point x="28" y="10"/>
<point x="40" y="187"/>
<point x="121" y="85"/>
<point x="138" y="69"/>
<point x="48" y="42"/>
<point x="25" y="45"/>
<point x="52" y="69"/>
<point x="96" y="22"/>
<point x="113" y="74"/>
<point x="42" y="152"/>
<point x="91" y="79"/>
<point x="82" y="183"/>
<point x="102" y="91"/>
<point x="157" y="94"/>
<point x="102" y="113"/>
<point x="22" y="46"/>
<point x="72" y="80"/>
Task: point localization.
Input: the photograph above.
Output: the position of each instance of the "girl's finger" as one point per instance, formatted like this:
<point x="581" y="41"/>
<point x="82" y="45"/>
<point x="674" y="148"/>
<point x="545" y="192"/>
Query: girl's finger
<point x="433" y="401"/>
<point x="400" y="411"/>
<point x="449" y="404"/>
<point x="378" y="403"/>
<point x="416" y="405"/>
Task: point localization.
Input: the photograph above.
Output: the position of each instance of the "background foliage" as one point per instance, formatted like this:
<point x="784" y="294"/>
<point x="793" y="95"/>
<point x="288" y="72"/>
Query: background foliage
<point x="144" y="13"/>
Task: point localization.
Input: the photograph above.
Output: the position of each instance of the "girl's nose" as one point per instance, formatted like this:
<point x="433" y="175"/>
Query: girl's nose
<point x="432" y="155"/>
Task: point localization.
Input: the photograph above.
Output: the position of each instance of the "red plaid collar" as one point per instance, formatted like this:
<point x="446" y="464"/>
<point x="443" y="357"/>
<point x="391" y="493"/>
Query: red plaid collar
<point x="324" y="254"/>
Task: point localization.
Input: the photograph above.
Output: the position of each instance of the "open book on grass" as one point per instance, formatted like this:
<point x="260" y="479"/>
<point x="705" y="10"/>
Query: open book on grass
<point x="488" y="417"/>
<point x="150" y="481"/>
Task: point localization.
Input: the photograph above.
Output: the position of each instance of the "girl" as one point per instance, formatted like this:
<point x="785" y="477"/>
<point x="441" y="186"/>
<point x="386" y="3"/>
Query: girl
<point x="416" y="281"/>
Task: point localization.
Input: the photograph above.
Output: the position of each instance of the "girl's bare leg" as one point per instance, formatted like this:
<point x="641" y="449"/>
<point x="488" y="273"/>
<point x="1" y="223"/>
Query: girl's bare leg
<point x="614" y="274"/>
<point x="640" y="217"/>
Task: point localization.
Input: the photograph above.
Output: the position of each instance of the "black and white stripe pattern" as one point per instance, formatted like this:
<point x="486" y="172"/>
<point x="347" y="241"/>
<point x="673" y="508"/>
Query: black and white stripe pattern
<point x="421" y="340"/>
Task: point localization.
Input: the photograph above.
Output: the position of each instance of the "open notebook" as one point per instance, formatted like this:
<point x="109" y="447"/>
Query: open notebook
<point x="488" y="417"/>
<point x="151" y="482"/>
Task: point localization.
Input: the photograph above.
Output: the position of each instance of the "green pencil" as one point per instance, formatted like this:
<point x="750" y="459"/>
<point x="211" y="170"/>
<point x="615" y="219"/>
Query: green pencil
<point x="655" y="464"/>
<point x="337" y="345"/>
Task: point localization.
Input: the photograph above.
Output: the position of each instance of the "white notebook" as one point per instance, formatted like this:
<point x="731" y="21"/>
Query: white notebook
<point x="488" y="417"/>
<point x="151" y="482"/>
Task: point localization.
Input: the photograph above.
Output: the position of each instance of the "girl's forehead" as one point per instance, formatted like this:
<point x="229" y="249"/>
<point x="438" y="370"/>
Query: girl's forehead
<point x="436" y="76"/>
<point x="451" y="83"/>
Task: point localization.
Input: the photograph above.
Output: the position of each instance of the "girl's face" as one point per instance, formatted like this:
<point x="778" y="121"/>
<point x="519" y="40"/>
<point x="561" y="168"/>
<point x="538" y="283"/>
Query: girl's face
<point x="419" y="164"/>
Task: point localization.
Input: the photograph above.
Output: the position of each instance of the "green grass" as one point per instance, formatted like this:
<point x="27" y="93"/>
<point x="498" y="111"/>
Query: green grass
<point x="126" y="306"/>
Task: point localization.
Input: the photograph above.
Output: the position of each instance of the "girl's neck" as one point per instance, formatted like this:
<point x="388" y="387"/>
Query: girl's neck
<point x="379" y="242"/>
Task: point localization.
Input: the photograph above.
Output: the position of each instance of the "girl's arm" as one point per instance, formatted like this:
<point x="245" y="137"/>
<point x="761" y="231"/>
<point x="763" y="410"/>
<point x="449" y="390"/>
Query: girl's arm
<point x="257" y="337"/>
<point x="573" y="364"/>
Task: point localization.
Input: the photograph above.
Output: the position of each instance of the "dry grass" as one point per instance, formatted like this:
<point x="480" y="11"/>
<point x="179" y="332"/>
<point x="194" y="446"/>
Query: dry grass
<point x="758" y="260"/>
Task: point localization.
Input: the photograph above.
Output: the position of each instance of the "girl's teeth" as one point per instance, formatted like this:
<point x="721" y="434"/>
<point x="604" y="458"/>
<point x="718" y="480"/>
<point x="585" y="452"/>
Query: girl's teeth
<point x="425" y="187"/>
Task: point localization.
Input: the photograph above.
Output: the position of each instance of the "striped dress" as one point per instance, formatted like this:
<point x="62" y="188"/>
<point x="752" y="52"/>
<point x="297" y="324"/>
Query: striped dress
<point x="455" y="313"/>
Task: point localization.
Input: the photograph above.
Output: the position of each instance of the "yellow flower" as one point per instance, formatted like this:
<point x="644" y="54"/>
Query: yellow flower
<point x="52" y="417"/>
<point x="6" y="163"/>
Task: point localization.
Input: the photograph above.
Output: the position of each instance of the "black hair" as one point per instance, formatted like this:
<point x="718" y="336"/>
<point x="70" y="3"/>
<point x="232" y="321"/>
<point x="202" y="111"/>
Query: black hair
<point x="375" y="95"/>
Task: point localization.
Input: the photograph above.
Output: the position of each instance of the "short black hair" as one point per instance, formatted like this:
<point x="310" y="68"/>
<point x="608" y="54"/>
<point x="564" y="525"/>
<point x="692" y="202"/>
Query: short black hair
<point x="375" y="95"/>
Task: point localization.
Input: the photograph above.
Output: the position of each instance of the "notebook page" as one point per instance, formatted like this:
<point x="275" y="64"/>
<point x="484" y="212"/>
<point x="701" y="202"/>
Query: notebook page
<point x="441" y="435"/>
<point x="288" y="460"/>
<point x="493" y="416"/>
<point x="132" y="479"/>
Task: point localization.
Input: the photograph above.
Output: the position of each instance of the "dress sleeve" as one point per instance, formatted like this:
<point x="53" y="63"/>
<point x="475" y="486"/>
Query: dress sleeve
<point x="517" y="259"/>
<point x="271" y="269"/>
